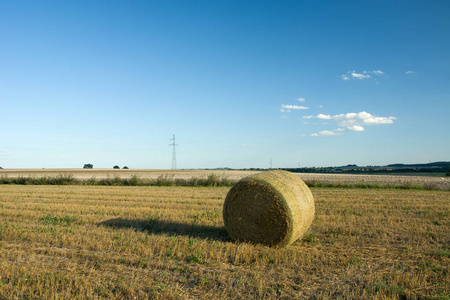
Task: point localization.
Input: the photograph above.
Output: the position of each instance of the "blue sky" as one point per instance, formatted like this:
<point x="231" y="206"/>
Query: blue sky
<point x="240" y="83"/>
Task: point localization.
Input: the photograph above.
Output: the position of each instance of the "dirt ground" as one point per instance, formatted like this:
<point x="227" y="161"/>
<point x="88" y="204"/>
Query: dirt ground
<point x="436" y="182"/>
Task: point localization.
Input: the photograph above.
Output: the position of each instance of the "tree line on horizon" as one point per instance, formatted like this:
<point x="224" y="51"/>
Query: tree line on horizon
<point x="91" y="166"/>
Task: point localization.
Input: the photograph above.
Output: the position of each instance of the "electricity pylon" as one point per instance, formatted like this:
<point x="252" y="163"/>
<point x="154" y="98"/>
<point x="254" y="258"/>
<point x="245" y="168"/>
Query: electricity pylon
<point x="174" y="154"/>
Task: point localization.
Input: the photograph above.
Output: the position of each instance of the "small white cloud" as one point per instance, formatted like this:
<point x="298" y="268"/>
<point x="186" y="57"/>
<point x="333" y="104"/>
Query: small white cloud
<point x="355" y="128"/>
<point x="361" y="118"/>
<point x="351" y="121"/>
<point x="410" y="72"/>
<point x="323" y="117"/>
<point x="301" y="99"/>
<point x="327" y="133"/>
<point x="285" y="110"/>
<point x="290" y="106"/>
<point x="320" y="106"/>
<point x="360" y="75"/>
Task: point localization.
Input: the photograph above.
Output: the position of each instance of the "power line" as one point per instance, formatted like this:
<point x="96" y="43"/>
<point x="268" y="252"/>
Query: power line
<point x="174" y="154"/>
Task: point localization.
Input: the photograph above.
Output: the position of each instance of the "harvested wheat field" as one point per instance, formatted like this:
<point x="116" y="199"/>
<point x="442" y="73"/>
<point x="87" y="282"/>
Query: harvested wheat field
<point x="116" y="242"/>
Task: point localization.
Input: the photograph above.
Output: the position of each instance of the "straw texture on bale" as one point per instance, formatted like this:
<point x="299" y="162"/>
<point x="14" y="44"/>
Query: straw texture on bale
<point x="273" y="208"/>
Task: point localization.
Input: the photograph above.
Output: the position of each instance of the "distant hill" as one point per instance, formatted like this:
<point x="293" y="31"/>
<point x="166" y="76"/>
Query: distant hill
<point x="434" y="167"/>
<point x="438" y="164"/>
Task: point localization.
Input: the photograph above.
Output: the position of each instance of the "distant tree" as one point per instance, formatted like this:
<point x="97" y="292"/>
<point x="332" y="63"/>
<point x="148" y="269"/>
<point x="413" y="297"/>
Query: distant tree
<point x="448" y="173"/>
<point x="88" y="166"/>
<point x="125" y="167"/>
<point x="116" y="167"/>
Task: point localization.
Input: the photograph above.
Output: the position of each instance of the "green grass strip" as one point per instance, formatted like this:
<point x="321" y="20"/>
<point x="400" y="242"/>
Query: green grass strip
<point x="211" y="180"/>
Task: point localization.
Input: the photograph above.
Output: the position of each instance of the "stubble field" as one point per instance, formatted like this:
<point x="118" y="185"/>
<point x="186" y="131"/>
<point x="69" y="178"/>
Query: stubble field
<point x="115" y="242"/>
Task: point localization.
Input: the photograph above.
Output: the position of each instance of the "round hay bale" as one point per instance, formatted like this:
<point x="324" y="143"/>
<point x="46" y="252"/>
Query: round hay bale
<point x="273" y="208"/>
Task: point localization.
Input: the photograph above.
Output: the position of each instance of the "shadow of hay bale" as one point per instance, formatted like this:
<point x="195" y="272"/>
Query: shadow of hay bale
<point x="163" y="227"/>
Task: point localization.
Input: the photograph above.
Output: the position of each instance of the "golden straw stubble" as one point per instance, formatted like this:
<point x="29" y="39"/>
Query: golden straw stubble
<point x="273" y="208"/>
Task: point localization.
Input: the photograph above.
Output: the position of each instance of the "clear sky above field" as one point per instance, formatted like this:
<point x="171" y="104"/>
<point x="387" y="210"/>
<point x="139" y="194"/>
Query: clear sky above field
<point x="240" y="83"/>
